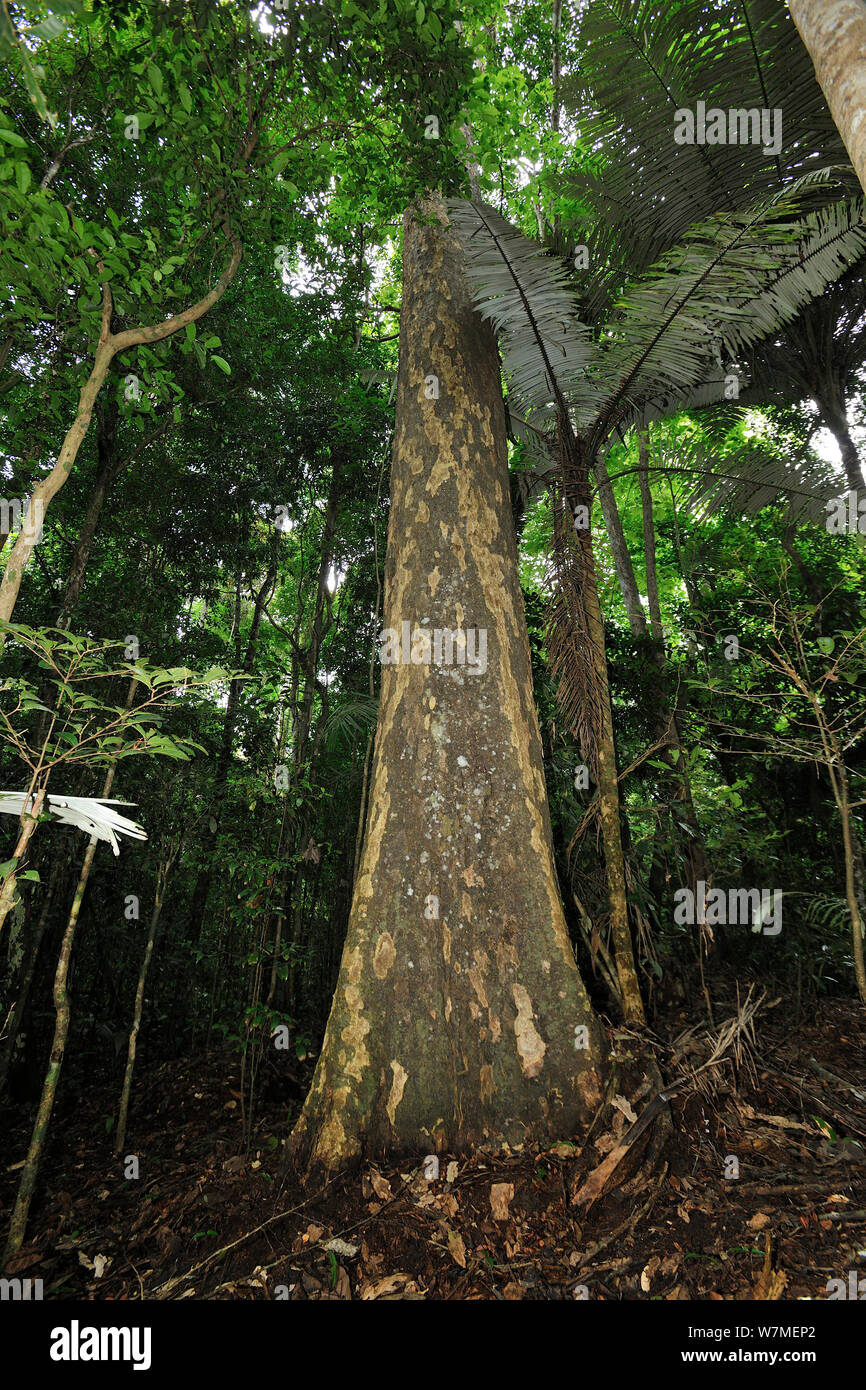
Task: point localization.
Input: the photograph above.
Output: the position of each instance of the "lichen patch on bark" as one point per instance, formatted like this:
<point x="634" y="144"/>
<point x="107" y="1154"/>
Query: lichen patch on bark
<point x="384" y="955"/>
<point x="530" y="1044"/>
<point x="398" y="1085"/>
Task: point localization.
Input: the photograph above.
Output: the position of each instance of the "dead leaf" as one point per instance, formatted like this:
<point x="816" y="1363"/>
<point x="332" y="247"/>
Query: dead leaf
<point x="341" y="1247"/>
<point x="758" y="1221"/>
<point x="648" y="1271"/>
<point x="622" y="1105"/>
<point x="513" y="1292"/>
<point x="456" y="1248"/>
<point x="391" y="1284"/>
<point x="501" y="1196"/>
<point x="771" y="1283"/>
<point x="451" y="1171"/>
<point x="381" y="1186"/>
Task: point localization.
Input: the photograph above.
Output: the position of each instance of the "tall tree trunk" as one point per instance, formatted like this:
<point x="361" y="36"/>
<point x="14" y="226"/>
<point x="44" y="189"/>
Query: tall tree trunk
<point x="834" y="32"/>
<point x="459" y="1017"/>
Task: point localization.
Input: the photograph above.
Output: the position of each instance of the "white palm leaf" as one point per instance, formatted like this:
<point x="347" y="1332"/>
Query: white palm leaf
<point x="87" y="813"/>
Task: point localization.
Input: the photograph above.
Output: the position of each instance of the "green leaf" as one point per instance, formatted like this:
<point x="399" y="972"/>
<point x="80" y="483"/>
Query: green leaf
<point x="23" y="177"/>
<point x="155" y="78"/>
<point x="222" y="364"/>
<point x="49" y="28"/>
<point x="12" y="138"/>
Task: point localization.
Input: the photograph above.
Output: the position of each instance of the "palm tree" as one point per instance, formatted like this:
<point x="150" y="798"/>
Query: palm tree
<point x="725" y="286"/>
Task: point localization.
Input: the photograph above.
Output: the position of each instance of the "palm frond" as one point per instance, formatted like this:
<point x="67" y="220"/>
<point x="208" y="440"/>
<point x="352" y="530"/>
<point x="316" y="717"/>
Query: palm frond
<point x="746" y="480"/>
<point x="641" y="62"/>
<point x="529" y="296"/>
<point x="352" y="718"/>
<point x="731" y="282"/>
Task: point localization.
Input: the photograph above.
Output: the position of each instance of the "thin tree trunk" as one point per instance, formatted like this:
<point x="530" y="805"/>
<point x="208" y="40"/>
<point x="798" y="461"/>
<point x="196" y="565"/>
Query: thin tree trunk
<point x="29" y="820"/>
<point x="608" y="793"/>
<point x="106" y="472"/>
<point x="110" y="344"/>
<point x="460" y="1018"/>
<point x="30" y="1173"/>
<point x="649" y="544"/>
<point x="159" y="899"/>
<point x="201" y="891"/>
<point x="666" y="725"/>
<point x="25" y="980"/>
<point x="834" y="32"/>
<point x="621" y="556"/>
<point x="836" y="420"/>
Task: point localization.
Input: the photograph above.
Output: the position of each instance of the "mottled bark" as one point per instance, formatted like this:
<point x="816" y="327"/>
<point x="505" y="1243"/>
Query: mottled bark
<point x="834" y="32"/>
<point x="459" y="1016"/>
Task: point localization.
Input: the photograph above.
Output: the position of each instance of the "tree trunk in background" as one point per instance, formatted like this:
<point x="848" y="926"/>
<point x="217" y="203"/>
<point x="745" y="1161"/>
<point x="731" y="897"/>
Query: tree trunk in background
<point x="163" y="872"/>
<point x="608" y="793"/>
<point x="835" y="417"/>
<point x="459" y="1014"/>
<point x="649" y="545"/>
<point x="834" y="32"/>
<point x="621" y="556"/>
<point x="24" y="980"/>
<point x="680" y="792"/>
<point x="24" y="1196"/>
<point x="698" y="868"/>
<point x="201" y="891"/>
<point x="107" y="470"/>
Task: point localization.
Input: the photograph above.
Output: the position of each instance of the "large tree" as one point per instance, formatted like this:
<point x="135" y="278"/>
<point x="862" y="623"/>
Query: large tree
<point x="459" y="1017"/>
<point x="834" y="32"/>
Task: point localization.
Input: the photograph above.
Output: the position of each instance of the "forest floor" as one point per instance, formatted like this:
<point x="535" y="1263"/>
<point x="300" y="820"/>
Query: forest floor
<point x="211" y="1219"/>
